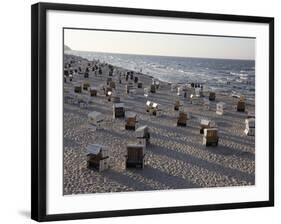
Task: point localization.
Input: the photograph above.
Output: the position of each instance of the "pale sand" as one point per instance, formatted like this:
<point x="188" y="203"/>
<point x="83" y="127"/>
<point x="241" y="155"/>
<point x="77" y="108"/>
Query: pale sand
<point x="175" y="159"/>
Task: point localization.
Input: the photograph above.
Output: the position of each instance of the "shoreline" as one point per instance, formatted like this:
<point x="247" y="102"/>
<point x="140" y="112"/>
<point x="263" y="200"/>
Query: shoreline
<point x="219" y="83"/>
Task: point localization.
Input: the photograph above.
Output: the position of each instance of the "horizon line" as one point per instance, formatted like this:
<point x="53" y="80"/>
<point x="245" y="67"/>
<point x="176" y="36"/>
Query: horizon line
<point x="155" y="55"/>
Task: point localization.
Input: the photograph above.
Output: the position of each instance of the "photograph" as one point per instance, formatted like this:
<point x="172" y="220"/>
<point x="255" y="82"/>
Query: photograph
<point x="152" y="111"/>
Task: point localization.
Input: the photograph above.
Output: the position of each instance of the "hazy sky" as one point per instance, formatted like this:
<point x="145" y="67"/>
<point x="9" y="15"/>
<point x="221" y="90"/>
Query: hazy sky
<point x="160" y="44"/>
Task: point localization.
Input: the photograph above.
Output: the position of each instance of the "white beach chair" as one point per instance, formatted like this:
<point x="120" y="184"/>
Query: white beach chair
<point x="97" y="157"/>
<point x="250" y="127"/>
<point x="96" y="119"/>
<point x="221" y="107"/>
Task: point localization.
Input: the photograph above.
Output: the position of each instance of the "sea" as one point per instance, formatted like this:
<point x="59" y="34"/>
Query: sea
<point x="225" y="75"/>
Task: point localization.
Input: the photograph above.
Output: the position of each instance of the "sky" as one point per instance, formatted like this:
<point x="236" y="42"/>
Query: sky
<point x="160" y="44"/>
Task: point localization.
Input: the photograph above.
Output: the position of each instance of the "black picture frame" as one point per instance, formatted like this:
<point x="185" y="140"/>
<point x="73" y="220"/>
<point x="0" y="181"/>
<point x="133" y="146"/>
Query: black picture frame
<point x="39" y="108"/>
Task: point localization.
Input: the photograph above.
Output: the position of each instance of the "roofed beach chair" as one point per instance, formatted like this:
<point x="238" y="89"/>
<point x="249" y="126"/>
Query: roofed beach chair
<point x="153" y="88"/>
<point x="131" y="75"/>
<point x="212" y="96"/>
<point x="108" y="80"/>
<point x="194" y="99"/>
<point x="174" y="87"/>
<point x="241" y="104"/>
<point x="112" y="84"/>
<point x="70" y="78"/>
<point x="70" y="98"/>
<point x="86" y="74"/>
<point x="136" y="79"/>
<point x="93" y="91"/>
<point x="177" y="105"/>
<point x="146" y="92"/>
<point x="131" y="120"/>
<point x="179" y="91"/>
<point x="143" y="135"/>
<point x="97" y="157"/>
<point x="86" y="85"/>
<point x="118" y="110"/>
<point x="155" y="110"/>
<point x="78" y="89"/>
<point x="65" y="72"/>
<point x="157" y="84"/>
<point x="182" y="118"/>
<point x="250" y="127"/>
<point x="210" y="137"/>
<point x="221" y="106"/>
<point x="152" y="108"/>
<point x="135" y="156"/>
<point x="251" y="114"/>
<point x="129" y="87"/>
<point x="148" y="105"/>
<point x="83" y="101"/>
<point x="96" y="118"/>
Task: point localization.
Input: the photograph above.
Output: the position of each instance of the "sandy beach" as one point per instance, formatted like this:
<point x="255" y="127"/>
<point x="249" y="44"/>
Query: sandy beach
<point x="175" y="157"/>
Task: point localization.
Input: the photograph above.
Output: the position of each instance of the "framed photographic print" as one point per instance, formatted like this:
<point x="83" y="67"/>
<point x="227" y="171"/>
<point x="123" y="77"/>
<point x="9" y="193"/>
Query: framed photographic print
<point x="139" y="111"/>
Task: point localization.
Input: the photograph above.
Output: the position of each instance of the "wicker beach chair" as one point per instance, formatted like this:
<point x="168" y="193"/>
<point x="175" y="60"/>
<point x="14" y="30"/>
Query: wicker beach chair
<point x="86" y="85"/>
<point x="143" y="135"/>
<point x="212" y="96"/>
<point x="221" y="106"/>
<point x="86" y="75"/>
<point x="83" y="102"/>
<point x="112" y="84"/>
<point x="179" y="91"/>
<point x="118" y="110"/>
<point x="93" y="91"/>
<point x="131" y="120"/>
<point x="70" y="98"/>
<point x="129" y="87"/>
<point x="135" y="156"/>
<point x="65" y="72"/>
<point x="250" y="127"/>
<point x="210" y="137"/>
<point x="155" y="109"/>
<point x="241" y="106"/>
<point x="177" y="105"/>
<point x="195" y="99"/>
<point x="108" y="80"/>
<point x="136" y="79"/>
<point x="78" y="89"/>
<point x="157" y="84"/>
<point x="148" y="105"/>
<point x="96" y="118"/>
<point x="146" y="92"/>
<point x="182" y="118"/>
<point x="153" y="88"/>
<point x="97" y="157"/>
